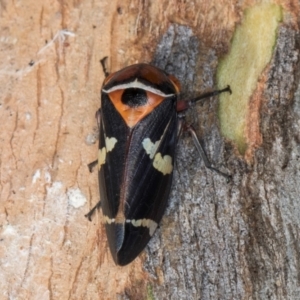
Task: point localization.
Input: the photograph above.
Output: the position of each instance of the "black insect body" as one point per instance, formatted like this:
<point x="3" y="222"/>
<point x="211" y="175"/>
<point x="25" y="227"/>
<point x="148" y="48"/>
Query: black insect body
<point x="139" y="129"/>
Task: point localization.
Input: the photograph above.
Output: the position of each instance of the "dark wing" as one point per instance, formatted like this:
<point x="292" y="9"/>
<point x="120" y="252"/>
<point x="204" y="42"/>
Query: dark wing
<point x="113" y="141"/>
<point x="149" y="172"/>
<point x="135" y="175"/>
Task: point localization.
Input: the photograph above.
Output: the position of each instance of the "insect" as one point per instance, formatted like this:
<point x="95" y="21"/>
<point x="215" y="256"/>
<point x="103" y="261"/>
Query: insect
<point x="140" y="122"/>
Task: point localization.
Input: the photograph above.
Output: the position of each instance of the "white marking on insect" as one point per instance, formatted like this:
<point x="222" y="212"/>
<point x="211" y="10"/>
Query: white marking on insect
<point x="101" y="157"/>
<point x="108" y="220"/>
<point x="163" y="163"/>
<point x="137" y="85"/>
<point x="150" y="147"/>
<point x="152" y="225"/>
<point x="110" y="144"/>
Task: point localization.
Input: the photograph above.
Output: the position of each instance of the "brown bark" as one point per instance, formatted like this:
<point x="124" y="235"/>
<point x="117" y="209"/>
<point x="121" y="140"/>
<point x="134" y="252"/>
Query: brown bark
<point x="217" y="241"/>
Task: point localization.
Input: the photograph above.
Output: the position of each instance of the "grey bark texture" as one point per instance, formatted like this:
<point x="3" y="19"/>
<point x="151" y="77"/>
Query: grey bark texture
<point x="237" y="240"/>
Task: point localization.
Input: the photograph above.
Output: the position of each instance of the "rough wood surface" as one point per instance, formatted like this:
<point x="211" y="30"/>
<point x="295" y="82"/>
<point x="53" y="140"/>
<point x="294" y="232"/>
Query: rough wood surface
<point x="217" y="241"/>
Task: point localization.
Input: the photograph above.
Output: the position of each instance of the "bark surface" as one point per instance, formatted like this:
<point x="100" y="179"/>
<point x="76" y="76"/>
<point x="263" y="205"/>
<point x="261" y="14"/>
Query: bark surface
<point x="218" y="240"/>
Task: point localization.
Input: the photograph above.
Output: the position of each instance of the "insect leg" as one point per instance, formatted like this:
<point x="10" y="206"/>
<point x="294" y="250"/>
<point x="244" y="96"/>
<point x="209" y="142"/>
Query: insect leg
<point x="211" y="94"/>
<point x="103" y="62"/>
<point x="91" y="212"/>
<point x="183" y="105"/>
<point x="91" y="167"/>
<point x="203" y="154"/>
<point x="94" y="163"/>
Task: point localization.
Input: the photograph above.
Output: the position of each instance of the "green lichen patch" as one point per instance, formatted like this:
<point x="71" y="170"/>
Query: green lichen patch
<point x="150" y="295"/>
<point x="251" y="50"/>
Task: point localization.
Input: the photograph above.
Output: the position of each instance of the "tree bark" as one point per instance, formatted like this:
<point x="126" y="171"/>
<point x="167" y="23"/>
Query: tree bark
<point x="217" y="240"/>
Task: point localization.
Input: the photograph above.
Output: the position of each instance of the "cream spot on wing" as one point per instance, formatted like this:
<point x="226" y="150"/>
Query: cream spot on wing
<point x="101" y="157"/>
<point x="136" y="223"/>
<point x="108" y="220"/>
<point x="110" y="143"/>
<point x="149" y="147"/>
<point x="152" y="225"/>
<point x="163" y="164"/>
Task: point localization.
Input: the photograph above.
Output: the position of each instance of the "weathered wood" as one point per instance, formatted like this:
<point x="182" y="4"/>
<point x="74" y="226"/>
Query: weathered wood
<point x="217" y="241"/>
